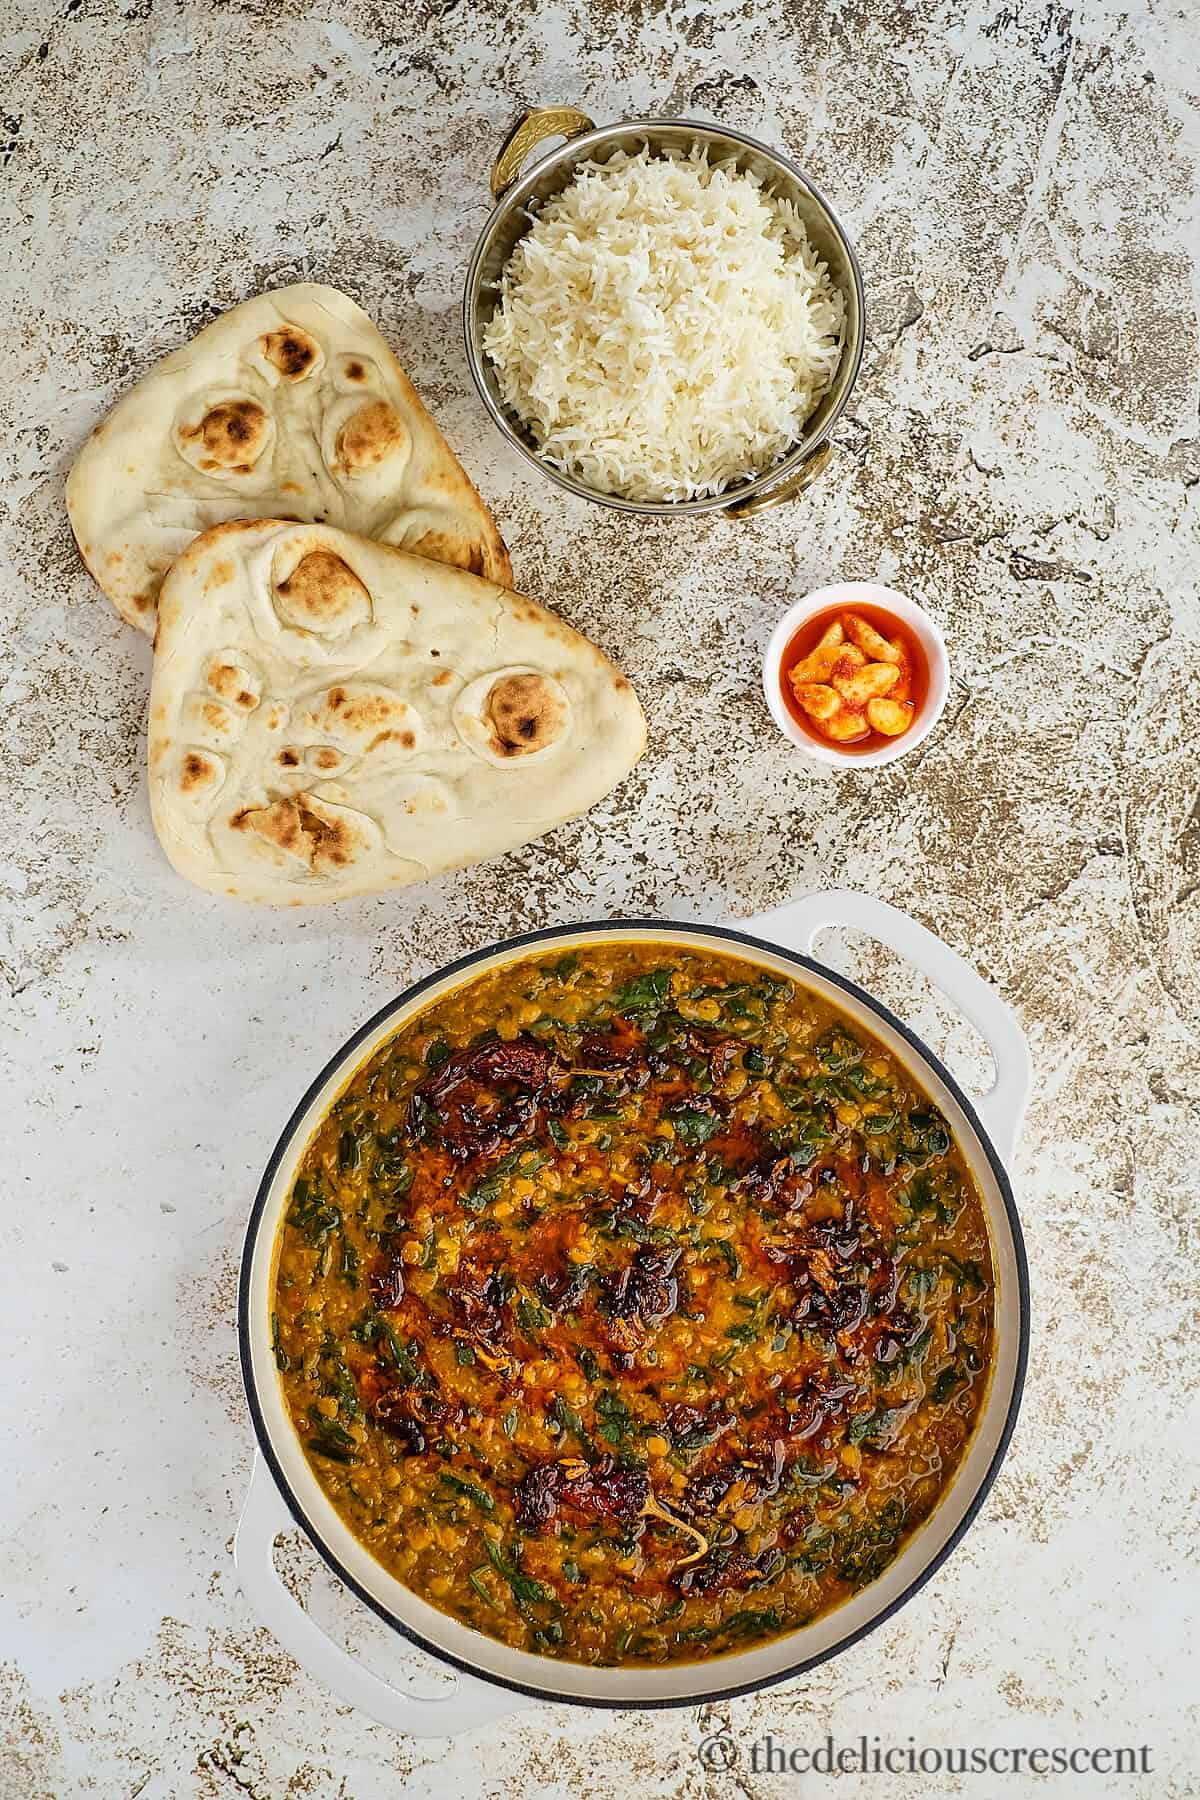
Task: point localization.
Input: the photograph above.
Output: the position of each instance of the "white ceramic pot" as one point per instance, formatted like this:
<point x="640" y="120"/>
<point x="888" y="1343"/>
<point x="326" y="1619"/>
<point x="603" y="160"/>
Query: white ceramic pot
<point x="493" y="1678"/>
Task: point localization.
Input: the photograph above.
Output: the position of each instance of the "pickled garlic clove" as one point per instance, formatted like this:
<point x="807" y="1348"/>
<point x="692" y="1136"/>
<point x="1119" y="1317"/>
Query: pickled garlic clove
<point x="844" y="726"/>
<point x="848" y="660"/>
<point x="872" y="643"/>
<point x="890" y="717"/>
<point x="870" y="683"/>
<point x="821" y="658"/>
<point x="815" y="667"/>
<point x="819" y="702"/>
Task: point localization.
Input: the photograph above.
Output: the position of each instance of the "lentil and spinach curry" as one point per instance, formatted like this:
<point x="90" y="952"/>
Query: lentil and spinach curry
<point x="633" y="1305"/>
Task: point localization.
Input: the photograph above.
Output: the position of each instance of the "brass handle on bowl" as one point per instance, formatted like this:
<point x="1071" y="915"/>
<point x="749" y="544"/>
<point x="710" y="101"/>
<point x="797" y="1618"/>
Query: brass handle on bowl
<point x="531" y="128"/>
<point x="805" y="475"/>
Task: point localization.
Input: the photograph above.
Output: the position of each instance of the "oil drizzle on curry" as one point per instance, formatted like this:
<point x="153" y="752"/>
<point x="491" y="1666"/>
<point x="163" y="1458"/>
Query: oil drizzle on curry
<point x="633" y="1305"/>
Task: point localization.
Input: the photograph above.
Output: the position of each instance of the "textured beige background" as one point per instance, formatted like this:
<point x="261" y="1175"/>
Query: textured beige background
<point x="1022" y="456"/>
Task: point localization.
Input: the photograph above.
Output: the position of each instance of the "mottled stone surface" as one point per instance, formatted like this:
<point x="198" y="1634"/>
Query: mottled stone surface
<point x="1021" y="455"/>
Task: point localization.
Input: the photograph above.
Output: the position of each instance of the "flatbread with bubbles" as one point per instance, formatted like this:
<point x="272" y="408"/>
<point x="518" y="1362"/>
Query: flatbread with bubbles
<point x="330" y="716"/>
<point x="289" y="406"/>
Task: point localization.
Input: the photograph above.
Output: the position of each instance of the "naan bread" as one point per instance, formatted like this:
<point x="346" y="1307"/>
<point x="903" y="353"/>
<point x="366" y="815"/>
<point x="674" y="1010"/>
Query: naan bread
<point x="289" y="406"/>
<point x="330" y="716"/>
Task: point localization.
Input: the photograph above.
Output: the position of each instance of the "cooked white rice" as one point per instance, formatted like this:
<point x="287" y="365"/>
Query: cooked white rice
<point x="664" y="327"/>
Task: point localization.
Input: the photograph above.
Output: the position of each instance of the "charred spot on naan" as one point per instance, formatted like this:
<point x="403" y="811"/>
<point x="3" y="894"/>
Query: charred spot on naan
<point x="372" y="435"/>
<point x="447" y="547"/>
<point x="277" y="824"/>
<point x="512" y="714"/>
<point x="293" y="352"/>
<point x="353" y="372"/>
<point x="199" y="776"/>
<point x="220" y="575"/>
<point x="526" y="713"/>
<point x="436" y="527"/>
<point x="332" y="837"/>
<point x="407" y="740"/>
<point x="311" y="831"/>
<point x="323" y="594"/>
<point x="199" y="770"/>
<point x="219" y="717"/>
<point x="232" y="681"/>
<point x="195" y="772"/>
<point x="230" y="438"/>
<point x="360" y="716"/>
<point x="454" y="490"/>
<point x="208" y="720"/>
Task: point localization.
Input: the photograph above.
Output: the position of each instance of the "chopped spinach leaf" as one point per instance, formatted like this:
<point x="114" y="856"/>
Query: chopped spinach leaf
<point x="869" y="1427"/>
<point x="562" y="966"/>
<point x="948" y="1380"/>
<point x="475" y="1577"/>
<point x="331" y="1440"/>
<point x="532" y="1315"/>
<point x="692" y="1126"/>
<point x="837" y="1051"/>
<point x="471" y="1491"/>
<point x="525" y="1590"/>
<point x="283" y="1361"/>
<point x="613" y="1420"/>
<point x="568" y="1419"/>
<point x="313" y="1215"/>
<point x="723" y="1248"/>
<point x="748" y="1621"/>
<point x="524" y="1159"/>
<point x="648" y="993"/>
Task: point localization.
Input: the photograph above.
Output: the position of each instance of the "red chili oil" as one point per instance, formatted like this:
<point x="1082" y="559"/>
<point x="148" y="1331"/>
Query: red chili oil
<point x="806" y="639"/>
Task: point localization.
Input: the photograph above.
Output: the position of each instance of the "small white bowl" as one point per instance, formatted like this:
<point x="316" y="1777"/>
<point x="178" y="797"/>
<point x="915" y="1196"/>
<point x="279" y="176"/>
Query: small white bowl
<point x="850" y="594"/>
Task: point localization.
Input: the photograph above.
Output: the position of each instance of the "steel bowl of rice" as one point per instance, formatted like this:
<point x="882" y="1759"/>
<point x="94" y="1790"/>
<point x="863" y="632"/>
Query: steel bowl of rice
<point x="662" y="316"/>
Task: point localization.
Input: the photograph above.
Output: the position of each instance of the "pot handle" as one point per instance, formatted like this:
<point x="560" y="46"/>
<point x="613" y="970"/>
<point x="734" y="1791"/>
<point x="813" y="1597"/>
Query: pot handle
<point x="468" y="1704"/>
<point x="533" y="126"/>
<point x="795" y="927"/>
<point x="810" y="470"/>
